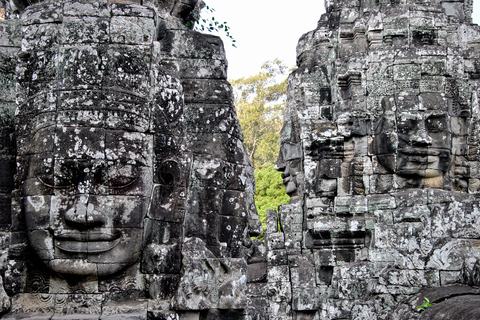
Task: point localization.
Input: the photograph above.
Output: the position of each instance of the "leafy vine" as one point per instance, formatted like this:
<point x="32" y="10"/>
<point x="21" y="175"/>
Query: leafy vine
<point x="205" y="21"/>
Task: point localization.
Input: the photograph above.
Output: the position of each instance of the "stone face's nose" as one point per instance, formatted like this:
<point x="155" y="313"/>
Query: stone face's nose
<point x="421" y="138"/>
<point x="82" y="214"/>
<point x="280" y="163"/>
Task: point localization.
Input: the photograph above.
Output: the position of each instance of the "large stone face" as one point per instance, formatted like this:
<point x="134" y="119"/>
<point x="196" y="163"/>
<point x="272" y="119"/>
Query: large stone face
<point x="379" y="153"/>
<point x="132" y="194"/>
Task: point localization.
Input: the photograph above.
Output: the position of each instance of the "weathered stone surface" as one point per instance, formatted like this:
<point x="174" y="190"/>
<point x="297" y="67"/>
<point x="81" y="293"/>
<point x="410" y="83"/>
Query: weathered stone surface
<point x="132" y="195"/>
<point x="122" y="192"/>
<point x="379" y="153"/>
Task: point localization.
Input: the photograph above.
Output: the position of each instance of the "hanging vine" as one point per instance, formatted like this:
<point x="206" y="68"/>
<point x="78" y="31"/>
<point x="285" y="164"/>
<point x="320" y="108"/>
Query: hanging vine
<point x="204" y="21"/>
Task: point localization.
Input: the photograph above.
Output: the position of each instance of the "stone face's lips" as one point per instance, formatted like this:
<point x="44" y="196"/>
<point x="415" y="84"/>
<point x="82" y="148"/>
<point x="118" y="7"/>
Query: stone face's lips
<point x="420" y="152"/>
<point x="86" y="242"/>
<point x="87" y="236"/>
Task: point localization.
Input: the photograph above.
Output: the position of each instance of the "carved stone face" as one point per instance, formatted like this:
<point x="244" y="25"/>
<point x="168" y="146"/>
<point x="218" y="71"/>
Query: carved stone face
<point x="424" y="143"/>
<point x="85" y="198"/>
<point x="414" y="136"/>
<point x="289" y="163"/>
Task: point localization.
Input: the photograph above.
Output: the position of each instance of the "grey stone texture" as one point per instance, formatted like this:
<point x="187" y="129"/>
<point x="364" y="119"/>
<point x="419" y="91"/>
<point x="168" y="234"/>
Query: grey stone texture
<point x="379" y="153"/>
<point x="125" y="189"/>
<point x="126" y="192"/>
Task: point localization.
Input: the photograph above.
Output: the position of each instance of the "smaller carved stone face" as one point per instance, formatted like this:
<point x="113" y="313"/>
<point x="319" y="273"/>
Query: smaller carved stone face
<point x="413" y="138"/>
<point x="424" y="143"/>
<point x="290" y="164"/>
<point x="86" y="196"/>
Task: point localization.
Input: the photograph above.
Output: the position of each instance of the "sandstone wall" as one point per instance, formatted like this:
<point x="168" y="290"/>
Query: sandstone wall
<point x="125" y="191"/>
<point x="379" y="153"/>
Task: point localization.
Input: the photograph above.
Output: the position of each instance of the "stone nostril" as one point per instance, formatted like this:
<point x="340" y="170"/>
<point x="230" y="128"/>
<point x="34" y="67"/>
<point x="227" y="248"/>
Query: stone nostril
<point x="421" y="137"/>
<point x="82" y="215"/>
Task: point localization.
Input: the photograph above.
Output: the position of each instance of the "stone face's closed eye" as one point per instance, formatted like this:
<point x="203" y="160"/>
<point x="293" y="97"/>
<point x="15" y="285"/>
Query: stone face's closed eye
<point x="121" y="182"/>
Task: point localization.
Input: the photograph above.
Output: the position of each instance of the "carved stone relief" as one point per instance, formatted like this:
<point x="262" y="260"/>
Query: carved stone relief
<point x="379" y="153"/>
<point x="128" y="199"/>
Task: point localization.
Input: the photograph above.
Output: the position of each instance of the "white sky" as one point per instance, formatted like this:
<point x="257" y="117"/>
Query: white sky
<point x="269" y="29"/>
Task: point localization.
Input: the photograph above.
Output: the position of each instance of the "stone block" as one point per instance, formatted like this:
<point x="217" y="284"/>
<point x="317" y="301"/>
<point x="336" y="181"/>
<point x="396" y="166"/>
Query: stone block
<point x="272" y="221"/>
<point x="279" y="274"/>
<point x="306" y="298"/>
<point x="256" y="289"/>
<point x="131" y="9"/>
<point x="203" y="69"/>
<point x="161" y="258"/>
<point x="411" y="214"/>
<point x="217" y="283"/>
<point x="205" y="118"/>
<point x="258" y="308"/>
<point x="324" y="275"/>
<point x="277" y="257"/>
<point x="162" y="287"/>
<point x="257" y="272"/>
<point x="303" y="277"/>
<point x="167" y="204"/>
<point x="207" y="91"/>
<point x="275" y="241"/>
<point x="162" y="315"/>
<point x="85" y="30"/>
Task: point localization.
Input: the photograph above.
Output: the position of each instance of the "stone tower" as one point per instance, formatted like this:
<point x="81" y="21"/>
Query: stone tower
<point x="380" y="155"/>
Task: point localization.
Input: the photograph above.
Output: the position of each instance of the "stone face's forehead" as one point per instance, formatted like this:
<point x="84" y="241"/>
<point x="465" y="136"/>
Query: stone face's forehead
<point x="93" y="143"/>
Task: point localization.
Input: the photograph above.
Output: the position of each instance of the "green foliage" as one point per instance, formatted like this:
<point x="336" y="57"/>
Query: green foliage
<point x="205" y="21"/>
<point x="425" y="305"/>
<point x="260" y="102"/>
<point x="270" y="191"/>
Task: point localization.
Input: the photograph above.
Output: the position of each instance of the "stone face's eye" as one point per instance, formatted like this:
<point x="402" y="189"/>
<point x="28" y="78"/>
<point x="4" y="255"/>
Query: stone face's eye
<point x="121" y="182"/>
<point x="121" y="176"/>
<point x="55" y="182"/>
<point x="406" y="125"/>
<point x="46" y="180"/>
<point x="436" y="124"/>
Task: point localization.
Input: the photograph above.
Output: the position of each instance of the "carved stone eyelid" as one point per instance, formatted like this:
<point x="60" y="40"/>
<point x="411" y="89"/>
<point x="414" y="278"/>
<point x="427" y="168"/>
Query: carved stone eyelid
<point x="125" y="185"/>
<point x="49" y="185"/>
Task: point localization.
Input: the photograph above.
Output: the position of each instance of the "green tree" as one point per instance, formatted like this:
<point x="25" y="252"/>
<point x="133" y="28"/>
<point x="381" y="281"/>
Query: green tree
<point x="260" y="101"/>
<point x="270" y="191"/>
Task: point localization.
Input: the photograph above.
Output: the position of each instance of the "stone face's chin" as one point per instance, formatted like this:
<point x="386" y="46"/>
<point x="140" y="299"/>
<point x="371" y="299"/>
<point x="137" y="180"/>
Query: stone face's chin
<point x="290" y="188"/>
<point x="73" y="267"/>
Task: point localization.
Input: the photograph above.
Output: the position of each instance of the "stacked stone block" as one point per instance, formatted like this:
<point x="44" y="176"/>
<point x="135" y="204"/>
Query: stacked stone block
<point x="134" y="194"/>
<point x="379" y="152"/>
